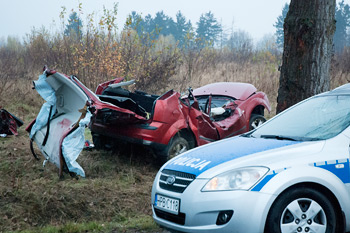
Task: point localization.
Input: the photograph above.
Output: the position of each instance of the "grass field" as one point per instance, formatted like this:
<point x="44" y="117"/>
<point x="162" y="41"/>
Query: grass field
<point x="115" y="195"/>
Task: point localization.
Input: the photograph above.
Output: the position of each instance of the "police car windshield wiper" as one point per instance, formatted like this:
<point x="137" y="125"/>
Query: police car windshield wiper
<point x="294" y="138"/>
<point x="280" y="137"/>
<point x="247" y="135"/>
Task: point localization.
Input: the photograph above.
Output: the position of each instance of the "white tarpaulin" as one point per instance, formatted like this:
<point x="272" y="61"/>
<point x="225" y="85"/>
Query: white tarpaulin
<point x="49" y="129"/>
<point x="73" y="144"/>
<point x="48" y="94"/>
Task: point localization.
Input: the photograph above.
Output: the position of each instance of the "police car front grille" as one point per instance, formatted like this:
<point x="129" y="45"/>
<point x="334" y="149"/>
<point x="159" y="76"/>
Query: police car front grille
<point x="182" y="180"/>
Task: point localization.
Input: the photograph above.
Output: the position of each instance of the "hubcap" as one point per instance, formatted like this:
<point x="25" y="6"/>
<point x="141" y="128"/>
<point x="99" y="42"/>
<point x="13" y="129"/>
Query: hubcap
<point x="303" y="215"/>
<point x="256" y="123"/>
<point x="178" y="149"/>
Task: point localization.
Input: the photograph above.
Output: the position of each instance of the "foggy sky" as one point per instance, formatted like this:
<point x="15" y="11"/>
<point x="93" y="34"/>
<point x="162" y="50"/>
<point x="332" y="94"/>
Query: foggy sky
<point x="257" y="17"/>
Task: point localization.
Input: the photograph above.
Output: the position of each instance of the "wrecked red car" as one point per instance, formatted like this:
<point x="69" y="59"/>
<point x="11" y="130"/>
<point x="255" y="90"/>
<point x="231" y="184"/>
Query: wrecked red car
<point x="170" y="124"/>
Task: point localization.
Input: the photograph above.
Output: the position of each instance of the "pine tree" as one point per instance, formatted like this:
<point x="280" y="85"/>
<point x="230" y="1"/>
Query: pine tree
<point x="342" y="16"/>
<point x="149" y="26"/>
<point x="279" y="26"/>
<point x="135" y="22"/>
<point x="164" y="23"/>
<point x="181" y="28"/>
<point x="74" y="26"/>
<point x="208" y="29"/>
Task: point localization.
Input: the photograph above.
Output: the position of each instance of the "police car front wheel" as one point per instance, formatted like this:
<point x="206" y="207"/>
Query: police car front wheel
<point x="302" y="209"/>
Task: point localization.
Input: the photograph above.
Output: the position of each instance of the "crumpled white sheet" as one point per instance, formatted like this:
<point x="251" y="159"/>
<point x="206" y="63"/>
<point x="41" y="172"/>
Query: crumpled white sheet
<point x="48" y="94"/>
<point x="73" y="144"/>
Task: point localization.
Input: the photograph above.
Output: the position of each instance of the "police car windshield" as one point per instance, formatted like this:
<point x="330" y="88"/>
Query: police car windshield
<point x="319" y="118"/>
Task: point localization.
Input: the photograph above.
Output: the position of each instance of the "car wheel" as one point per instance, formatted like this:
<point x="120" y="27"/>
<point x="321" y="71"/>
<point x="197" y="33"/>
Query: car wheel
<point x="100" y="142"/>
<point x="302" y="210"/>
<point x="255" y="121"/>
<point x="177" y="146"/>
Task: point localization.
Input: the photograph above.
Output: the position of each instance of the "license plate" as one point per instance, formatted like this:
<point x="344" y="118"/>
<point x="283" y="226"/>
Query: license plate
<point x="168" y="204"/>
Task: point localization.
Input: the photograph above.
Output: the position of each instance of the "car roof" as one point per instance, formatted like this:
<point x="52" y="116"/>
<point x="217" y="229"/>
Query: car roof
<point x="342" y="90"/>
<point x="234" y="89"/>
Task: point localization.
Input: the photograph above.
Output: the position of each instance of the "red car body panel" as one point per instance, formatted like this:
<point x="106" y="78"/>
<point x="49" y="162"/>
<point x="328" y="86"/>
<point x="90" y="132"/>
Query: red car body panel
<point x="102" y="86"/>
<point x="237" y="90"/>
<point x="159" y="129"/>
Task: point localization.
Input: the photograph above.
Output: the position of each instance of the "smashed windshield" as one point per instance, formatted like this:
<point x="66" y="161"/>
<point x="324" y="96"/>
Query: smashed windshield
<point x="319" y="118"/>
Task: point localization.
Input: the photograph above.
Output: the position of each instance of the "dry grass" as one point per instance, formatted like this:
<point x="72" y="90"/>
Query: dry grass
<point x="116" y="190"/>
<point x="115" y="195"/>
<point x="339" y="78"/>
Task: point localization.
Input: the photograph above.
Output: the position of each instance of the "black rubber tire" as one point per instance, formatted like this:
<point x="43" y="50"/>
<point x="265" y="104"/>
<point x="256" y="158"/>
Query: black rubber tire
<point x="99" y="141"/>
<point x="176" y="146"/>
<point x="301" y="196"/>
<point x="255" y="121"/>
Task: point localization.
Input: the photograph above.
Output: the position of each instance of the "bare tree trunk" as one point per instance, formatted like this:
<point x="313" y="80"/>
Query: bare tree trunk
<point x="308" y="49"/>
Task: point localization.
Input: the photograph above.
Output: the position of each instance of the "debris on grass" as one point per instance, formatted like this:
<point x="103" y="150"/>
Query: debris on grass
<point x="8" y="123"/>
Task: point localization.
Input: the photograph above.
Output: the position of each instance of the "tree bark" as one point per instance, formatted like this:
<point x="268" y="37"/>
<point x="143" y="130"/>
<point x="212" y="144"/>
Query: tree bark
<point x="308" y="48"/>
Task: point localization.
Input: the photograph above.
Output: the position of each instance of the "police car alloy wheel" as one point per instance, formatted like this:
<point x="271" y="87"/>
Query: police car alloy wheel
<point x="302" y="209"/>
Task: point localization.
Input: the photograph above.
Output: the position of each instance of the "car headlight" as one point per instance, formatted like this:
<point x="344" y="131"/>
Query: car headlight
<point x="237" y="179"/>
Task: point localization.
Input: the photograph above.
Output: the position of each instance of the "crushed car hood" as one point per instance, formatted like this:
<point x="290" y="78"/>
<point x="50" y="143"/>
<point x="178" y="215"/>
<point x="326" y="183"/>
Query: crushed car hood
<point x="237" y="90"/>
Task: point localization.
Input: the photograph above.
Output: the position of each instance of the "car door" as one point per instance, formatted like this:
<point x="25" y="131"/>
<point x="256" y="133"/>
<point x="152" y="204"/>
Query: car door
<point x="228" y="119"/>
<point x="201" y="124"/>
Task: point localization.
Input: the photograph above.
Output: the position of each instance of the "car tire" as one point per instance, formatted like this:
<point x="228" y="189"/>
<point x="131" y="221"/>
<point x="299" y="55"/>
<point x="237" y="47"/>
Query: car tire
<point x="100" y="142"/>
<point x="177" y="146"/>
<point x="301" y="201"/>
<point x="256" y="120"/>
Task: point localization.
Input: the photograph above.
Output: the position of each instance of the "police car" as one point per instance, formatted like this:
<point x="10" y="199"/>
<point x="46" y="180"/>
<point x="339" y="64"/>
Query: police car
<point x="291" y="174"/>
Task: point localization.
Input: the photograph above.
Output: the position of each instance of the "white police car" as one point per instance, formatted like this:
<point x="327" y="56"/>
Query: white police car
<point x="291" y="174"/>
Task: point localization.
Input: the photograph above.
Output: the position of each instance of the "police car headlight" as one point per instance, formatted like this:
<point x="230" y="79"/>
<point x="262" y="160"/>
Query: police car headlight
<point x="237" y="179"/>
